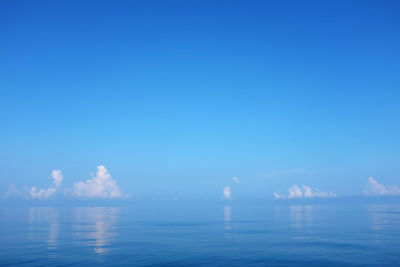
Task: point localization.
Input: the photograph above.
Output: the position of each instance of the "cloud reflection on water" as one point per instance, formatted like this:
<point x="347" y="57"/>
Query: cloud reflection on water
<point x="227" y="222"/>
<point x="301" y="216"/>
<point x="96" y="227"/>
<point x="44" y="225"/>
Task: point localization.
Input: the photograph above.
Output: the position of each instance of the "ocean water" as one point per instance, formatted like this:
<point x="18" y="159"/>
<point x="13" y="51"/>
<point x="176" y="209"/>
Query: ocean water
<point x="213" y="234"/>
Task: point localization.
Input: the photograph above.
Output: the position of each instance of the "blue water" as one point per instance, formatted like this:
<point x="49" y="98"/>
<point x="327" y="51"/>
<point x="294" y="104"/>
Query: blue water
<point x="182" y="234"/>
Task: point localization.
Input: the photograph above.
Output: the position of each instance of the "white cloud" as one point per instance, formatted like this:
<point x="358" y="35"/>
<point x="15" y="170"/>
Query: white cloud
<point x="227" y="192"/>
<point x="304" y="192"/>
<point x="14" y="192"/>
<point x="376" y="189"/>
<point x="46" y="193"/>
<point x="276" y="195"/>
<point x="100" y="186"/>
<point x="57" y="177"/>
<point x="42" y="193"/>
<point x="235" y="179"/>
<point x="295" y="191"/>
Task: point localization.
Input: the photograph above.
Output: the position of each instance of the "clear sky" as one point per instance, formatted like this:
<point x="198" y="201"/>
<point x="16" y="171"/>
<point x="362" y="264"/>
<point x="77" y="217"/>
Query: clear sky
<point x="175" y="98"/>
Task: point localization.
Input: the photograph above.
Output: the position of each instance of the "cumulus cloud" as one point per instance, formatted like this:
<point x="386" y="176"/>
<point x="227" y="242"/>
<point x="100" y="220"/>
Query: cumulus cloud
<point x="376" y="189"/>
<point x="227" y="192"/>
<point x="235" y="179"/>
<point x="304" y="192"/>
<point x="36" y="193"/>
<point x="100" y="186"/>
<point x="57" y="177"/>
<point x="41" y="193"/>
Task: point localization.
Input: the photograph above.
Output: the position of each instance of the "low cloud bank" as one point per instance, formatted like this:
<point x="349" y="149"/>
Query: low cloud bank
<point x="376" y="189"/>
<point x="42" y="193"/>
<point x="14" y="192"/>
<point x="304" y="192"/>
<point x="46" y="193"/>
<point x="100" y="186"/>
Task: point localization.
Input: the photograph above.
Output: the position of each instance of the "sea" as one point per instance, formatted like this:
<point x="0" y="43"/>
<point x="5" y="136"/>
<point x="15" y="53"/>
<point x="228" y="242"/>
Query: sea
<point x="220" y="233"/>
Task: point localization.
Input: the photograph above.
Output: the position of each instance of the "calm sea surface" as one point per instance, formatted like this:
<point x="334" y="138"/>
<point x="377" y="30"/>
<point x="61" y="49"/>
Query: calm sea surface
<point x="180" y="234"/>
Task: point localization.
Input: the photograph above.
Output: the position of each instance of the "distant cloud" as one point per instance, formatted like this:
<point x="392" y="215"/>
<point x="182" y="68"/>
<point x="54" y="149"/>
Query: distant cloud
<point x="100" y="186"/>
<point x="14" y="192"/>
<point x="57" y="177"/>
<point x="304" y="192"/>
<point x="46" y="193"/>
<point x="41" y="193"/>
<point x="227" y="192"/>
<point x="235" y="179"/>
<point x="376" y="189"/>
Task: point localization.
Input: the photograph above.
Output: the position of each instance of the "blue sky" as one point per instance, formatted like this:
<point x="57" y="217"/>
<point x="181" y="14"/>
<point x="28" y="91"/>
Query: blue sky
<point x="175" y="98"/>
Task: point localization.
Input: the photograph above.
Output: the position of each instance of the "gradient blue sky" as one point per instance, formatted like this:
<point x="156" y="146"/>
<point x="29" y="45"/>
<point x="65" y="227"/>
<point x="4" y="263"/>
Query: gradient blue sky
<point x="177" y="97"/>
